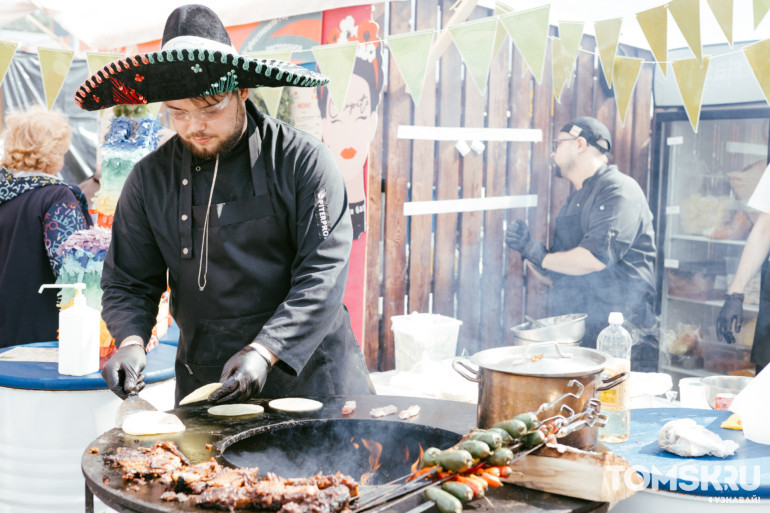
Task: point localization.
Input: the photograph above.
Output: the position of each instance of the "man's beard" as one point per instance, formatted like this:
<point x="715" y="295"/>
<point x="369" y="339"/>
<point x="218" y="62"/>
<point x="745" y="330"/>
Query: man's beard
<point x="556" y="170"/>
<point x="225" y="146"/>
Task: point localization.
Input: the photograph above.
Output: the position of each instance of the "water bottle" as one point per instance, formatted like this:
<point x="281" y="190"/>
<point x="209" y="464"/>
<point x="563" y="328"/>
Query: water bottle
<point x="615" y="342"/>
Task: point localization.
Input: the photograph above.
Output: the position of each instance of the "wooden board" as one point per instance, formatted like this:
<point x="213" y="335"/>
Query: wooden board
<point x="596" y="476"/>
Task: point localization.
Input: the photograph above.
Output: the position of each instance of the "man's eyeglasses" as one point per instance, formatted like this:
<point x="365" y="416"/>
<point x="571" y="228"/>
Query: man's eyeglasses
<point x="203" y="114"/>
<point x="556" y="142"/>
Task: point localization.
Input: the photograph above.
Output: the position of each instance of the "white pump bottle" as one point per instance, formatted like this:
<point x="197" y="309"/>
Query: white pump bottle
<point x="78" y="334"/>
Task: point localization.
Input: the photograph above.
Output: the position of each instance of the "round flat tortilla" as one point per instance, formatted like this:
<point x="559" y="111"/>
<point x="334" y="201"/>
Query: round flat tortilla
<point x="200" y="394"/>
<point x="152" y="423"/>
<point x="295" y="404"/>
<point x="234" y="410"/>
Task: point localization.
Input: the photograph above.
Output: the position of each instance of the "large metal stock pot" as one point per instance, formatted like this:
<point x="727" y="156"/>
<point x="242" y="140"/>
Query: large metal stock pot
<point x="518" y="379"/>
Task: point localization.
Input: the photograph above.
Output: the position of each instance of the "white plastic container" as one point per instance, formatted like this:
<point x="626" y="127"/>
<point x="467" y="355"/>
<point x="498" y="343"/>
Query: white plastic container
<point x="692" y="393"/>
<point x="423" y="336"/>
<point x="78" y="335"/>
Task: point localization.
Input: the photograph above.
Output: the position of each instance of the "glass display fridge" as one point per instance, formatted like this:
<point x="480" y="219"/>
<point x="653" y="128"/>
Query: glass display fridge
<point x="703" y="182"/>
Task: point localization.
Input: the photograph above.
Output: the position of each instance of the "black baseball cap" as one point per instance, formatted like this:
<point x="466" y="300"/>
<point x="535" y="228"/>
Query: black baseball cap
<point x="592" y="130"/>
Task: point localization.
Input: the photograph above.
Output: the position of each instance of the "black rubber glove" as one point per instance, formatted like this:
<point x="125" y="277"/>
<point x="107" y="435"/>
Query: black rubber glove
<point x="243" y="376"/>
<point x="122" y="372"/>
<point x="730" y="315"/>
<point x="517" y="237"/>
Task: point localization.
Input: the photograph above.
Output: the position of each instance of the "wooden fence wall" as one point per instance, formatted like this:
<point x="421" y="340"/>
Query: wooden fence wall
<point x="460" y="260"/>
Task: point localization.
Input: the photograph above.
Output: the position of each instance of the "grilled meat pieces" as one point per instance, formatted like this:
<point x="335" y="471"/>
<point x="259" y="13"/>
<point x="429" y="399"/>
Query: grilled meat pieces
<point x="211" y="485"/>
<point x="157" y="461"/>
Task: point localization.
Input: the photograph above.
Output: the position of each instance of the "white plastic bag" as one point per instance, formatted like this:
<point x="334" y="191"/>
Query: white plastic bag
<point x="752" y="407"/>
<point x="685" y="437"/>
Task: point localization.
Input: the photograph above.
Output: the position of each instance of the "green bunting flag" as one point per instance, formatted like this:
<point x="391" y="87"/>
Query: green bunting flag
<point x="475" y="40"/>
<point x="271" y="95"/>
<point x="756" y="55"/>
<point x="411" y="52"/>
<point x="336" y="62"/>
<point x="760" y="10"/>
<point x="654" y="23"/>
<point x="607" y="36"/>
<point x="529" y="32"/>
<point x="686" y="14"/>
<point x="690" y="77"/>
<point x="54" y="65"/>
<point x="723" y="12"/>
<point x="7" y="51"/>
<point x="564" y="52"/>
<point x="625" y="75"/>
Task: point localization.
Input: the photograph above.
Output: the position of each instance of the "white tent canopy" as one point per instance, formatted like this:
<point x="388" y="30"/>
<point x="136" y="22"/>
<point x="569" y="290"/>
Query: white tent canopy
<point x="108" y="24"/>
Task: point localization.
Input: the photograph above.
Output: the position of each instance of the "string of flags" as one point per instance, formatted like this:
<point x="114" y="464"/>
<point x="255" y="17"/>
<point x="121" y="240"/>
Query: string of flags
<point x="478" y="41"/>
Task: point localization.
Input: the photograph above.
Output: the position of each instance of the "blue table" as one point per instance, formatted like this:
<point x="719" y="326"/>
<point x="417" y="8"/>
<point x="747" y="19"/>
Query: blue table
<point x="45" y="375"/>
<point x="744" y="474"/>
<point x="47" y="421"/>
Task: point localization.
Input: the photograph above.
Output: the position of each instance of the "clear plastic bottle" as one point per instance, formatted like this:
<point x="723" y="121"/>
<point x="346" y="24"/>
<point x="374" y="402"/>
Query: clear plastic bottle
<point x="615" y="341"/>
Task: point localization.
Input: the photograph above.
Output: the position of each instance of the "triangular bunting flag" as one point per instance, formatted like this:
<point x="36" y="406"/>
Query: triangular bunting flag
<point x="475" y="40"/>
<point x="54" y="65"/>
<point x="686" y="14"/>
<point x="690" y="77"/>
<point x="154" y="108"/>
<point x="625" y="75"/>
<point x="271" y="95"/>
<point x="529" y="32"/>
<point x="7" y="50"/>
<point x="723" y="12"/>
<point x="760" y="10"/>
<point x="500" y="32"/>
<point x="563" y="54"/>
<point x="756" y="55"/>
<point x="607" y="36"/>
<point x="411" y="51"/>
<point x="654" y="23"/>
<point x="98" y="60"/>
<point x="336" y="62"/>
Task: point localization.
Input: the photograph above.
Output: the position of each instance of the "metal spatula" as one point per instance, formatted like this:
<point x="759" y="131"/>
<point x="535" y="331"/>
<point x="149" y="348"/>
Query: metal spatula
<point x="130" y="405"/>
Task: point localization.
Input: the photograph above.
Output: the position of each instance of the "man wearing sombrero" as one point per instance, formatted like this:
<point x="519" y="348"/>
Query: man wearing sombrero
<point x="248" y="215"/>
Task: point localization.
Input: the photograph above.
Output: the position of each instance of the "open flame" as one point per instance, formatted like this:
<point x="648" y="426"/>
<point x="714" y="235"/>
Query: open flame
<point x="416" y="465"/>
<point x="375" y="451"/>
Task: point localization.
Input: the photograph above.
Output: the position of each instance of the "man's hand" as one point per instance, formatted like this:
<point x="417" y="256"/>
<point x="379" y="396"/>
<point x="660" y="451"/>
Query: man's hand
<point x="243" y="376"/>
<point x="517" y="237"/>
<point x="730" y="314"/>
<point x="123" y="370"/>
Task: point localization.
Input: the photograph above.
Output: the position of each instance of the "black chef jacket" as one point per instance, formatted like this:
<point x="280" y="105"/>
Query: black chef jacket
<point x="280" y="238"/>
<point x="610" y="217"/>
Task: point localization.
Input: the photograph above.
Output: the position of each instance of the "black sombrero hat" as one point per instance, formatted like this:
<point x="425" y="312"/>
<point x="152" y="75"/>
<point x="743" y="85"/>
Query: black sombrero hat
<point x="196" y="59"/>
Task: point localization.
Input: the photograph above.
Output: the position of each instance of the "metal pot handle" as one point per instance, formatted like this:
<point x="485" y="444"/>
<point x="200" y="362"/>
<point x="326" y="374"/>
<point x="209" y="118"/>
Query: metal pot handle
<point x="612" y="382"/>
<point x="526" y="356"/>
<point x="465" y="370"/>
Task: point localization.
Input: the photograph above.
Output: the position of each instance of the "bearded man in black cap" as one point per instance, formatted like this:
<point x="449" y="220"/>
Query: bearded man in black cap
<point x="602" y="258"/>
<point x="247" y="216"/>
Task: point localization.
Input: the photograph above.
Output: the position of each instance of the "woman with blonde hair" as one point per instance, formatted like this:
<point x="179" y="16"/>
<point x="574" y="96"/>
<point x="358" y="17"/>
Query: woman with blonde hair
<point x="38" y="211"/>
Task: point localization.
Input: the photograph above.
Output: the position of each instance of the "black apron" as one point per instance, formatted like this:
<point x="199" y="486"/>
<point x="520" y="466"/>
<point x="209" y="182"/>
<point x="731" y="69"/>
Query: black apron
<point x="243" y="290"/>
<point x="569" y="292"/>
<point x="760" y="350"/>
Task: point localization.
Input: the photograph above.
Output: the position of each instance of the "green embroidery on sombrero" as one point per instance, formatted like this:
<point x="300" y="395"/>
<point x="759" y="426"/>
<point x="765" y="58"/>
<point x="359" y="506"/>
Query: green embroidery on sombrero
<point x="170" y="55"/>
<point x="224" y="85"/>
<point x="151" y="58"/>
<point x="191" y="54"/>
<point x="223" y="59"/>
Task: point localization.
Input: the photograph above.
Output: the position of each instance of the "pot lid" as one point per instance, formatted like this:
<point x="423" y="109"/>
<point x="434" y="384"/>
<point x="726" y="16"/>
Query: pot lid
<point x="549" y="359"/>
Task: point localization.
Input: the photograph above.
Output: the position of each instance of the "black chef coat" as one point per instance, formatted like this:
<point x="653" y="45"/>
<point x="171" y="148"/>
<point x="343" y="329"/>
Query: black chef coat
<point x="610" y="217"/>
<point x="280" y="238"/>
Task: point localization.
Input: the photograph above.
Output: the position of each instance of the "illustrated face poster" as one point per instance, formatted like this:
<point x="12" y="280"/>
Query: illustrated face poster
<point x="349" y="129"/>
